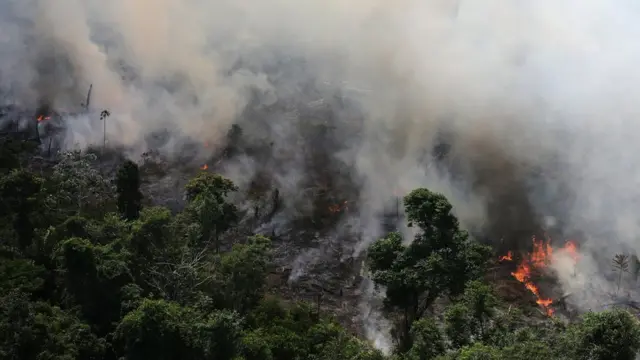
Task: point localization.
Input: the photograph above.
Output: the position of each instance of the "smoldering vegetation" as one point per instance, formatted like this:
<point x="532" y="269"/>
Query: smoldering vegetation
<point x="523" y="114"/>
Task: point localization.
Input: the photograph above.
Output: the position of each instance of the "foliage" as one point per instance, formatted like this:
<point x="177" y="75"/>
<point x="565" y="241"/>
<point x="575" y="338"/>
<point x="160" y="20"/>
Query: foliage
<point x="440" y="260"/>
<point x="19" y="191"/>
<point x="162" y="330"/>
<point x="458" y="325"/>
<point x="209" y="183"/>
<point x="428" y="341"/>
<point x="13" y="153"/>
<point x="78" y="186"/>
<point x="93" y="277"/>
<point x="611" y="335"/>
<point x="479" y="351"/>
<point x="21" y="275"/>
<point x="39" y="331"/>
<point x="292" y="333"/>
<point x="209" y="207"/>
<point x="530" y="350"/>
<point x="480" y="303"/>
<point x="242" y="273"/>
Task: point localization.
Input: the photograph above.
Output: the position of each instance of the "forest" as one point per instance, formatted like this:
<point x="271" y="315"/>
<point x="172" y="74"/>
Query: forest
<point x="91" y="270"/>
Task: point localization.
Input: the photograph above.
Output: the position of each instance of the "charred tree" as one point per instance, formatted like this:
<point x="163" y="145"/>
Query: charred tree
<point x="128" y="187"/>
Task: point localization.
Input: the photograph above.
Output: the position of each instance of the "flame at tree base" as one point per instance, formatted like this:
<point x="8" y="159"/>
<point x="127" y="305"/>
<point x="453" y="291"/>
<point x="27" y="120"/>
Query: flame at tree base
<point x="539" y="260"/>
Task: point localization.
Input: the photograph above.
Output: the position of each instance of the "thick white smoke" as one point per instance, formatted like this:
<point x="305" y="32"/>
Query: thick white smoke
<point x="540" y="98"/>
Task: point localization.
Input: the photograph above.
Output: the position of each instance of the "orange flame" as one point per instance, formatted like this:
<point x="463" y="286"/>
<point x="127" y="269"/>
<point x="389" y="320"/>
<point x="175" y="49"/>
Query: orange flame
<point x="43" y="118"/>
<point x="204" y="167"/>
<point x="541" y="256"/>
<point x="508" y="257"/>
<point x="338" y="207"/>
<point x="571" y="249"/>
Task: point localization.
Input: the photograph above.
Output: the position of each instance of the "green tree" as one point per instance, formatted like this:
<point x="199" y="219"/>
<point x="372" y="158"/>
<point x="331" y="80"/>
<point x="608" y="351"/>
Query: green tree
<point x="611" y="335"/>
<point x="336" y="343"/>
<point x="166" y="331"/>
<point x="522" y="339"/>
<point x="242" y="273"/>
<point x="469" y="319"/>
<point x="295" y="332"/>
<point x="94" y="277"/>
<point x="17" y="274"/>
<point x="77" y="186"/>
<point x="128" y="188"/>
<point x="207" y="195"/>
<point x="428" y="342"/>
<point x="13" y="152"/>
<point x="284" y="329"/>
<point x="479" y="351"/>
<point x="19" y="192"/>
<point x="255" y="346"/>
<point x="109" y="229"/>
<point x="38" y="331"/>
<point x="506" y="325"/>
<point x="458" y="325"/>
<point x="219" y="335"/>
<point x="480" y="300"/>
<point x="207" y="182"/>
<point x="530" y="350"/>
<point x="157" y="330"/>
<point x="150" y="242"/>
<point x="440" y="260"/>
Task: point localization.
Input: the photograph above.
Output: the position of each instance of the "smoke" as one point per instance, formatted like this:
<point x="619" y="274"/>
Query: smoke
<point x="377" y="328"/>
<point x="535" y="100"/>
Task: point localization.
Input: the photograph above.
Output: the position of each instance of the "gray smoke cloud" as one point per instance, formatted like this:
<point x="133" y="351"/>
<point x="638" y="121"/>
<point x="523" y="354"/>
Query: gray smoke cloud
<point x="536" y="100"/>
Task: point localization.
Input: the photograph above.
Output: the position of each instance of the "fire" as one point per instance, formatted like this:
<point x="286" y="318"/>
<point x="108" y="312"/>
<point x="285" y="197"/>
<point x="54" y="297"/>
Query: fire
<point x="546" y="303"/>
<point x="571" y="249"/>
<point x="507" y="257"/>
<point x="338" y="207"/>
<point x="542" y="252"/>
<point x="43" y="118"/>
<point x="538" y="260"/>
<point x="204" y="167"/>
